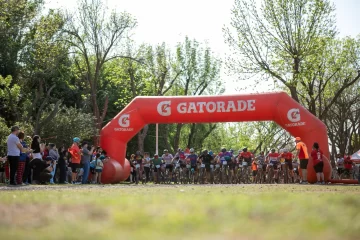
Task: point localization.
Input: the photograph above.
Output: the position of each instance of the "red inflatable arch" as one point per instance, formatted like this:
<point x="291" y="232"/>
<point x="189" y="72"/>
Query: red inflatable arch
<point x="277" y="107"/>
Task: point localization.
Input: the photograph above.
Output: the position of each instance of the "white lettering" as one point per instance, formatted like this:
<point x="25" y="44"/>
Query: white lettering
<point x="201" y="105"/>
<point x="124" y="129"/>
<point x="192" y="107"/>
<point x="298" y="124"/>
<point x="208" y="107"/>
<point x="220" y="106"/>
<point x="231" y="107"/>
<point x="250" y="105"/>
<point x="181" y="108"/>
<point x="241" y="105"/>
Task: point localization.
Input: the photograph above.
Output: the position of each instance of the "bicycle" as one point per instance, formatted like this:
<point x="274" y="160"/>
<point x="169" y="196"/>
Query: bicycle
<point x="176" y="173"/>
<point x="217" y="174"/>
<point x="225" y="172"/>
<point x="260" y="174"/>
<point x="202" y="173"/>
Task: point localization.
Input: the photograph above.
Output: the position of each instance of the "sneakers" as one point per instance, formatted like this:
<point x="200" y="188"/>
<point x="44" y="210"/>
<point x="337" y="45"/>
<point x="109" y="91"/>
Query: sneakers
<point x="304" y="182"/>
<point x="322" y="183"/>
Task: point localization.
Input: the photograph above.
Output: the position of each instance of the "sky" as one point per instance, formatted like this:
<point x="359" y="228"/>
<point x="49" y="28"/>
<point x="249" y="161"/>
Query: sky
<point x="170" y="21"/>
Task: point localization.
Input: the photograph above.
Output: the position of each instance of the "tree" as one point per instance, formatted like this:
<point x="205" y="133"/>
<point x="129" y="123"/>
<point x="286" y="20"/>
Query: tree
<point x="199" y="76"/>
<point x="276" y="40"/>
<point x="96" y="37"/>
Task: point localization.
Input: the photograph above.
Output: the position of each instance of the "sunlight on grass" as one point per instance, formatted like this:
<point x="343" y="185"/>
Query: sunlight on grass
<point x="182" y="212"/>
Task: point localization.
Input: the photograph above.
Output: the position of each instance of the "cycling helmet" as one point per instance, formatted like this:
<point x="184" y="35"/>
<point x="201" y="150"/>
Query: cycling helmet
<point x="156" y="155"/>
<point x="285" y="150"/>
<point x="165" y="151"/>
<point x="273" y="150"/>
<point x="205" y="151"/>
<point x="179" y="150"/>
<point x="245" y="149"/>
<point x="76" y="140"/>
<point x="138" y="153"/>
<point x="211" y="153"/>
<point x="240" y="151"/>
<point x="223" y="150"/>
<point x="192" y="150"/>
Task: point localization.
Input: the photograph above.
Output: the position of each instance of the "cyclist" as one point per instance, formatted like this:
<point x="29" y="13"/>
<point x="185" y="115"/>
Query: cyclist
<point x="261" y="160"/>
<point x="168" y="159"/>
<point x="288" y="156"/>
<point x="180" y="156"/>
<point x="193" y="159"/>
<point x="138" y="165"/>
<point x="224" y="156"/>
<point x="157" y="162"/>
<point x="246" y="156"/>
<point x="295" y="166"/>
<point x="206" y="158"/>
<point x="232" y="162"/>
<point x="273" y="160"/>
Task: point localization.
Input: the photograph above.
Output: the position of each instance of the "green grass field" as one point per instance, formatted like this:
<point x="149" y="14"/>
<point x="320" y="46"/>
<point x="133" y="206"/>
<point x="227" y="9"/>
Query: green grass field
<point x="180" y="212"/>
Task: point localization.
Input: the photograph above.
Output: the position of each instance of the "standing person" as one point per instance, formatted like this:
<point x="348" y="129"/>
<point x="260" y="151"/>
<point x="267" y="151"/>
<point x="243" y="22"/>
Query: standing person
<point x="254" y="169"/>
<point x="99" y="168"/>
<point x="147" y="166"/>
<point x="303" y="156"/>
<point x="317" y="157"/>
<point x="14" y="148"/>
<point x="62" y="165"/>
<point x="38" y="149"/>
<point x="54" y="154"/>
<point x="340" y="164"/>
<point x="22" y="160"/>
<point x="75" y="158"/>
<point x="27" y="172"/>
<point x="85" y="160"/>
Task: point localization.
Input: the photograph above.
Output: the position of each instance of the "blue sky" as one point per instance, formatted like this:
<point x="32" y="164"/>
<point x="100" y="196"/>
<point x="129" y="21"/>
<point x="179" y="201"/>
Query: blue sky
<point x="171" y="20"/>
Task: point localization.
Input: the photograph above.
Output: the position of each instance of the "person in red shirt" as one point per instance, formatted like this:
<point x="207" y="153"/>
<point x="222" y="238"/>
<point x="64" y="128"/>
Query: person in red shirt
<point x="318" y="157"/>
<point x="348" y="165"/>
<point x="288" y="156"/>
<point x="273" y="160"/>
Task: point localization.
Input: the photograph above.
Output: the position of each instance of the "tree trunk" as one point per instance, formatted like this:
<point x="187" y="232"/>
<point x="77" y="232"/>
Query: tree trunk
<point x="177" y="136"/>
<point x="141" y="138"/>
<point x="166" y="137"/>
<point x="191" y="135"/>
<point x="293" y="92"/>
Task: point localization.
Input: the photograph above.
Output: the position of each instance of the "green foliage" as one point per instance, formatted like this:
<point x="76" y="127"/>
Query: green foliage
<point x="4" y="132"/>
<point x="69" y="123"/>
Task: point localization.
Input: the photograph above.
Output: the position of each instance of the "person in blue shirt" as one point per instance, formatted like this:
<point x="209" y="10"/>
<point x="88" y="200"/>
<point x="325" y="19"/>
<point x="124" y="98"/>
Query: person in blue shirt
<point x="193" y="158"/>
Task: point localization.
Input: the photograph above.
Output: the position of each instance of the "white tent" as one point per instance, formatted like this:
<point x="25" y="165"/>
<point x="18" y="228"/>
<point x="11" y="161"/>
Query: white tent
<point x="356" y="156"/>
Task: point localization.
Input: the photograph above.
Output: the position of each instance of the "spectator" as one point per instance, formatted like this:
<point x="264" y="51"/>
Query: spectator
<point x="348" y="164"/>
<point x="85" y="161"/>
<point x="340" y="164"/>
<point x="46" y="167"/>
<point x="303" y="156"/>
<point x="27" y="171"/>
<point x="317" y="156"/>
<point x="22" y="161"/>
<point x="147" y="166"/>
<point x="14" y="148"/>
<point x="35" y="164"/>
<point x="99" y="168"/>
<point x="62" y="165"/>
<point x="46" y="151"/>
<point x="75" y="158"/>
<point x="54" y="154"/>
<point x="132" y="168"/>
<point x="2" y="169"/>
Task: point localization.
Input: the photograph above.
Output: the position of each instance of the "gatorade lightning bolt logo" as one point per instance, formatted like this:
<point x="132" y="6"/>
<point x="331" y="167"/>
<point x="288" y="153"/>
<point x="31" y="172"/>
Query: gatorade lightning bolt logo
<point x="124" y="120"/>
<point x="294" y="115"/>
<point x="164" y="108"/>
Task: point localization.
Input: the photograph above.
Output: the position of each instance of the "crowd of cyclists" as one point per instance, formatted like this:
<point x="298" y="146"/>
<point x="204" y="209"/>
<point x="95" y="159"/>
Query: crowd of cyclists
<point x="230" y="167"/>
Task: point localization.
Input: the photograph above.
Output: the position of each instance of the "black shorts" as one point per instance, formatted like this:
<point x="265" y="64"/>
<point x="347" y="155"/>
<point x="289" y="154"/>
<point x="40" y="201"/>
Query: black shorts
<point x="232" y="165"/>
<point x="304" y="163"/>
<point x="74" y="167"/>
<point x="319" y="167"/>
<point x="264" y="167"/>
<point x="170" y="167"/>
<point x="254" y="172"/>
<point x="194" y="167"/>
<point x="289" y="163"/>
<point x="340" y="171"/>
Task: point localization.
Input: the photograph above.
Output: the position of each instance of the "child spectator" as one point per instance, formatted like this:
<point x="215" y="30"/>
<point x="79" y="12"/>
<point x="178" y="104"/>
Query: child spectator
<point x="99" y="168"/>
<point x="132" y="168"/>
<point x="254" y="169"/>
<point x="22" y="160"/>
<point x="147" y="166"/>
<point x="54" y="154"/>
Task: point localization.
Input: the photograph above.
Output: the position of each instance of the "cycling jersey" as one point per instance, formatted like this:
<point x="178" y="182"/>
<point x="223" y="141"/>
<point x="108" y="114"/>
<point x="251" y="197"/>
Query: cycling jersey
<point x="246" y="156"/>
<point x="139" y="159"/>
<point x="261" y="159"/>
<point x="193" y="159"/>
<point x="167" y="158"/>
<point x="225" y="156"/>
<point x="206" y="159"/>
<point x="287" y="156"/>
<point x="273" y="157"/>
<point x="317" y="156"/>
<point x="180" y="155"/>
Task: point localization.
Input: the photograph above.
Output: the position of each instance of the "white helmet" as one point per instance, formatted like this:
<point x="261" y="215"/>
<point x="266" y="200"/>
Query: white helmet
<point x="285" y="150"/>
<point x="192" y="150"/>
